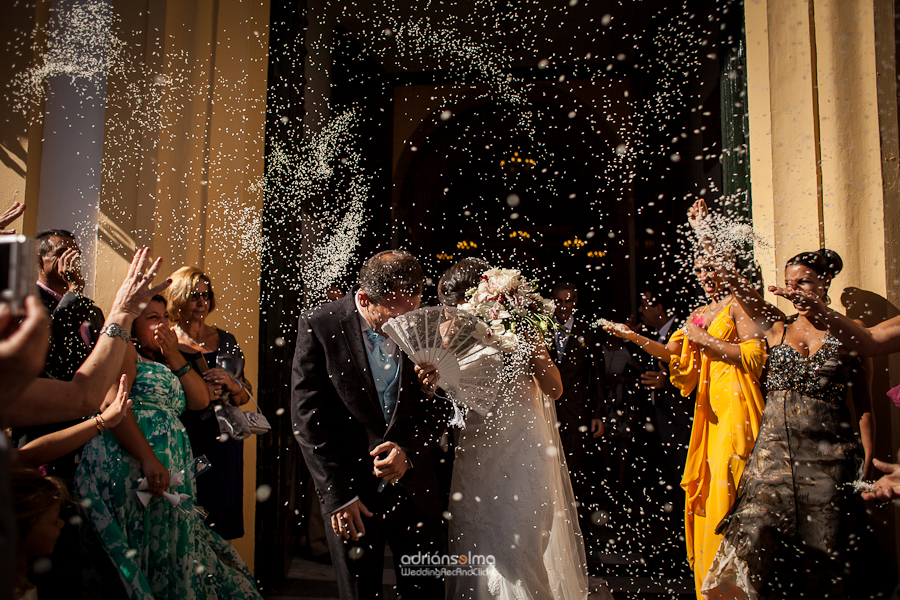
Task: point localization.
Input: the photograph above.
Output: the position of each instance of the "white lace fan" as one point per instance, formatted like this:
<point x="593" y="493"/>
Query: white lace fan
<point x="452" y="340"/>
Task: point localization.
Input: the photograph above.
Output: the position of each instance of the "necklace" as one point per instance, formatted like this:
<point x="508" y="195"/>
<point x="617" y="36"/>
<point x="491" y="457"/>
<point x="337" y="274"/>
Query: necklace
<point x="192" y="340"/>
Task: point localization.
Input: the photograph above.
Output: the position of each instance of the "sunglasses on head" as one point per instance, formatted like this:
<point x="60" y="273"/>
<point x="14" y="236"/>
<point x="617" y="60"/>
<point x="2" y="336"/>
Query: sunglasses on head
<point x="197" y="295"/>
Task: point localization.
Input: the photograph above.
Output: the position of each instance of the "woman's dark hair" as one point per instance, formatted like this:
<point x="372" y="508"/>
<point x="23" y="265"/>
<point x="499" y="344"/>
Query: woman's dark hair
<point x="824" y="262"/>
<point x="459" y="279"/>
<point x="156" y="355"/>
<point x="33" y="495"/>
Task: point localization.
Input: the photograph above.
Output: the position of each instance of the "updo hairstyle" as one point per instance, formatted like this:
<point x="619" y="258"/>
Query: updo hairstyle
<point x="459" y="279"/>
<point x="826" y="263"/>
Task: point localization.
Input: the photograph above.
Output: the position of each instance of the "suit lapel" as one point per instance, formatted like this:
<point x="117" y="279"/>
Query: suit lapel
<point x="353" y="337"/>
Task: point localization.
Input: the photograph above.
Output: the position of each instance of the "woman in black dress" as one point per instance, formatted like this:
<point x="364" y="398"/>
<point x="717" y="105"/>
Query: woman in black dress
<point x="217" y="355"/>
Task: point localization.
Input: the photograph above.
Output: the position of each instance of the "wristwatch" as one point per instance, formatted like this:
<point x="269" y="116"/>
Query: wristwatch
<point x="115" y="330"/>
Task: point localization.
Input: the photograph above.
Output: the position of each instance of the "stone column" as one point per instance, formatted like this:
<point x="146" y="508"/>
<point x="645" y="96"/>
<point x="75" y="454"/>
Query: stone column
<point x="72" y="153"/>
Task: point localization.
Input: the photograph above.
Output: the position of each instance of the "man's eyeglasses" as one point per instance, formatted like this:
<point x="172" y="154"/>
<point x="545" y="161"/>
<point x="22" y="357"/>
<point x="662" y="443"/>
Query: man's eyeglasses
<point x="197" y="295"/>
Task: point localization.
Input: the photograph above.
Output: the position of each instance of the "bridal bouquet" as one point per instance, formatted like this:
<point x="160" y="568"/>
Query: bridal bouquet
<point x="510" y="305"/>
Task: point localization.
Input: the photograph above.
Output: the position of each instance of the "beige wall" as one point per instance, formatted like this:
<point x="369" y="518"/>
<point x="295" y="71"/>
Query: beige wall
<point x="20" y="147"/>
<point x="183" y="189"/>
<point x="823" y="145"/>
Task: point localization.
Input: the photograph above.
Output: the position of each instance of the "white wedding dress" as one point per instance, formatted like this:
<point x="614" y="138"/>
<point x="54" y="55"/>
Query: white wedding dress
<point x="511" y="498"/>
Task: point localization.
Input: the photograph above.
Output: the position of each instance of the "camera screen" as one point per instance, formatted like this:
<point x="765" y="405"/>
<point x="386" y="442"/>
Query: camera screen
<point x="5" y="258"/>
<point x="18" y="267"/>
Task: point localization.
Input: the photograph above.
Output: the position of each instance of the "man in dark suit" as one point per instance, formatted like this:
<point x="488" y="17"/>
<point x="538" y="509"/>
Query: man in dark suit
<point x="673" y="414"/>
<point x="579" y="410"/>
<point x="673" y="411"/>
<point x="75" y="320"/>
<point x="366" y="432"/>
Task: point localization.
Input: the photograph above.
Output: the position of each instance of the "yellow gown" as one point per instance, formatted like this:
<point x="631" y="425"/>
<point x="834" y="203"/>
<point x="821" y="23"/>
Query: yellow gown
<point x="727" y="414"/>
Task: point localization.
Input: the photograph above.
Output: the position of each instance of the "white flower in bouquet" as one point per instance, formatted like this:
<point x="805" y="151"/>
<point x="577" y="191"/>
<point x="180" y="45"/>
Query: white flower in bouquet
<point x="549" y="306"/>
<point x="510" y="305"/>
<point x="500" y="281"/>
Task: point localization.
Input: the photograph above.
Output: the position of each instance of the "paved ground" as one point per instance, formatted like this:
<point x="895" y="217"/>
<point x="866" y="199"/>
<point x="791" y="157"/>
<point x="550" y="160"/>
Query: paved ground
<point x="310" y="580"/>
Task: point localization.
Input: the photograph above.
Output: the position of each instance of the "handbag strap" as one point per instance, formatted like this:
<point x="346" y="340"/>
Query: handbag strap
<point x="253" y="400"/>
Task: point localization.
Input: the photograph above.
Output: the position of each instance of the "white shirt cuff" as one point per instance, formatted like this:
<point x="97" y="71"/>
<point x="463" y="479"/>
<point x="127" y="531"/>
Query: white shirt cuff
<point x="342" y="507"/>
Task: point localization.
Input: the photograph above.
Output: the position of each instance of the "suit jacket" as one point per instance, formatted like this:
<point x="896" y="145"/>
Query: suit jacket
<point x="66" y="354"/>
<point x="67" y="348"/>
<point x="338" y="420"/>
<point x="581" y="370"/>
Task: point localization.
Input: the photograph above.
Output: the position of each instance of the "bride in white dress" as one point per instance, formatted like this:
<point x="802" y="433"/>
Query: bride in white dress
<point x="511" y="497"/>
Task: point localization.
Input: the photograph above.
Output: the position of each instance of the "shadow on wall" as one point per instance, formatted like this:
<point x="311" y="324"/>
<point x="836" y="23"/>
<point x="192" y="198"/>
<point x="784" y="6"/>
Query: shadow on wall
<point x="868" y="307"/>
<point x="872" y="309"/>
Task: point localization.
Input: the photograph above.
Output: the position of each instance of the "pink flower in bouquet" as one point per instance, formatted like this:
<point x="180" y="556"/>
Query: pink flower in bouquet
<point x="697" y="320"/>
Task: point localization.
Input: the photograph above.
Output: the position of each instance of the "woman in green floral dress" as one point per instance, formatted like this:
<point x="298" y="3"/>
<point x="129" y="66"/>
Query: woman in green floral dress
<point x="160" y="551"/>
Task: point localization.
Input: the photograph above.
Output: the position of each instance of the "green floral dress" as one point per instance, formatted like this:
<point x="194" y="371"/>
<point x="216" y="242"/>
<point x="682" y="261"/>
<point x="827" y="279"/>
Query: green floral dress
<point x="161" y="551"/>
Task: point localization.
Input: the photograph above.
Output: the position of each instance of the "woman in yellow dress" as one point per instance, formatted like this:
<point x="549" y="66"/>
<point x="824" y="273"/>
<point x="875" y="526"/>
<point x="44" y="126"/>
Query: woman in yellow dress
<point x="716" y="356"/>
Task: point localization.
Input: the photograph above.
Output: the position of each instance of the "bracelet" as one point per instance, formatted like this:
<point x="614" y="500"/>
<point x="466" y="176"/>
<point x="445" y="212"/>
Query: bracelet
<point x="114" y="330"/>
<point x="183" y="370"/>
<point x="100" y="423"/>
<point x="240" y="387"/>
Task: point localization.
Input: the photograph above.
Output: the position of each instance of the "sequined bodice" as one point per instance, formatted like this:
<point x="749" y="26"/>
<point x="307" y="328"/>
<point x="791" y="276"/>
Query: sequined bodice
<point x="823" y="375"/>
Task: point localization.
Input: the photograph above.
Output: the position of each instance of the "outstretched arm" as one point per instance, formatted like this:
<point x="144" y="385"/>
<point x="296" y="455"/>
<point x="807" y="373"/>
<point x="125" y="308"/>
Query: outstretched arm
<point x="50" y="401"/>
<point x="884" y="338"/>
<point x="888" y="487"/>
<point x="54" y="445"/>
<point x="23" y="350"/>
<point x="651" y="347"/>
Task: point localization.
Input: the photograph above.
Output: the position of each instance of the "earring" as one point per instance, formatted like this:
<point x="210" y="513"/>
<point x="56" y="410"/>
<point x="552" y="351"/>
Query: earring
<point x="827" y="300"/>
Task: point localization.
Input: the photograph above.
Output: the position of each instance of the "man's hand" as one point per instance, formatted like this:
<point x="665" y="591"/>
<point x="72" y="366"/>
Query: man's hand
<point x="69" y="267"/>
<point x="597" y="427"/>
<point x="347" y="522"/>
<point x="428" y="377"/>
<point x="9" y="215"/>
<point x="392" y="467"/>
<point x="653" y="380"/>
<point x="888" y="487"/>
<point x="23" y="347"/>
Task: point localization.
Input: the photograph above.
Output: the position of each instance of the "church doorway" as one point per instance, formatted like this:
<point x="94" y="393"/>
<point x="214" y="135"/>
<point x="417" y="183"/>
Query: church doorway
<point x="539" y="201"/>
